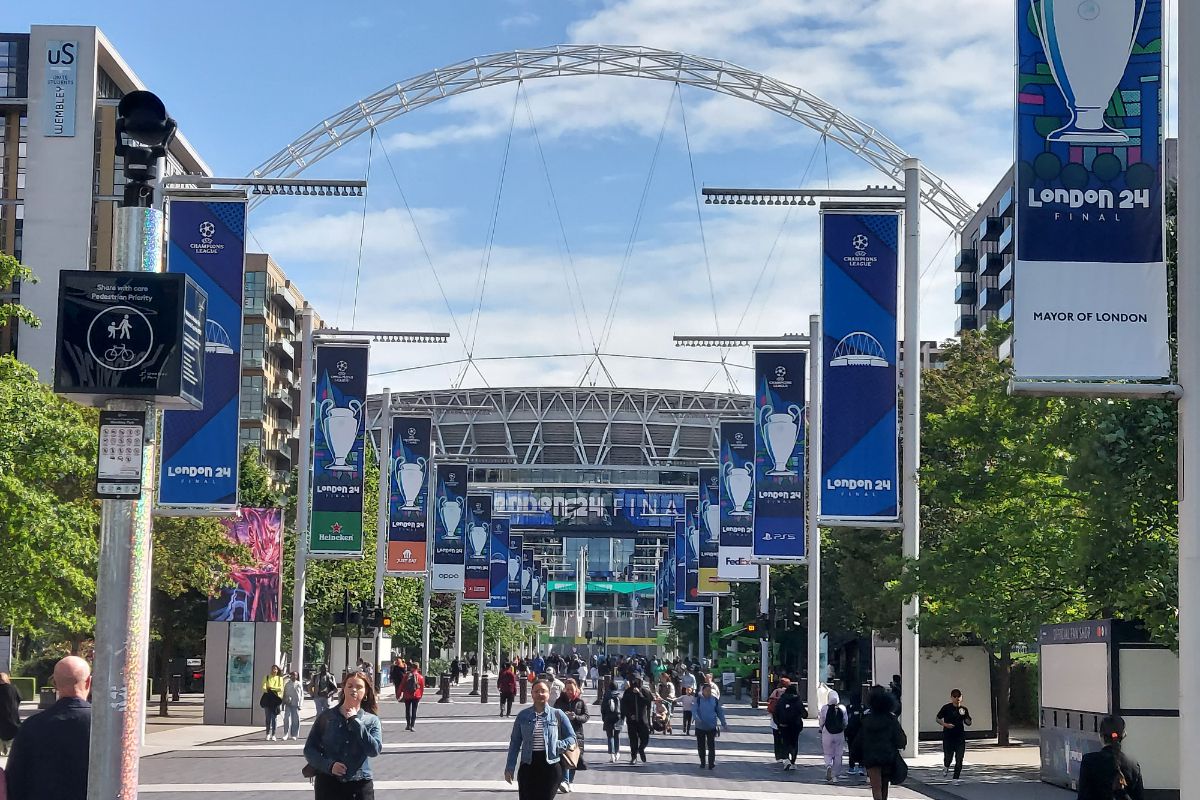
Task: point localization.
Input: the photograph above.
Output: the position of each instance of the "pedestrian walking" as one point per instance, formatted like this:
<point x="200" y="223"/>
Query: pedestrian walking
<point x="414" y="690"/>
<point x="556" y="686"/>
<point x="342" y="742"/>
<point x="635" y="707"/>
<point x="540" y="734"/>
<point x="687" y="702"/>
<point x="1109" y="772"/>
<point x="954" y="719"/>
<point x="10" y="712"/>
<point x="396" y="674"/>
<point x="882" y="739"/>
<point x="772" y="702"/>
<point x="832" y="719"/>
<point x="708" y="716"/>
<point x="292" y="696"/>
<point x="571" y="703"/>
<point x="49" y="755"/>
<point x="789" y="717"/>
<point x="454" y="670"/>
<point x="272" y="699"/>
<point x="324" y="689"/>
<point x="610" y="714"/>
<point x="506" y="686"/>
<point x="854" y="716"/>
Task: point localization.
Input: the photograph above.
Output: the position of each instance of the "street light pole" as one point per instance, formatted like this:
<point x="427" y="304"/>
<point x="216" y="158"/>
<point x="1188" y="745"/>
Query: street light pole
<point x="813" y="445"/>
<point x="381" y="523"/>
<point x="303" y="477"/>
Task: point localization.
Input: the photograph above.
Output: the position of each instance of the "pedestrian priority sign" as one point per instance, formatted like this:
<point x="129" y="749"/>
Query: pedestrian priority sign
<point x="130" y="334"/>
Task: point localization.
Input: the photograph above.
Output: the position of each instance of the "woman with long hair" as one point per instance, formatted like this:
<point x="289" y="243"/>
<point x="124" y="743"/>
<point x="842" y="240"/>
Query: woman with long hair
<point x="882" y="739"/>
<point x="571" y="703"/>
<point x="272" y="699"/>
<point x="342" y="742"/>
<point x="540" y="734"/>
<point x="506" y="685"/>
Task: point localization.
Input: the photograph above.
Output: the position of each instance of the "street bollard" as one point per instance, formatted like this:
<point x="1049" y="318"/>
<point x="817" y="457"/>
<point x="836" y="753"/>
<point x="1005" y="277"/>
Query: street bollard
<point x="474" y="686"/>
<point x="444" y="688"/>
<point x="483" y="689"/>
<point x="737" y="691"/>
<point x="600" y="689"/>
<point x="754" y="694"/>
<point x="524" y="691"/>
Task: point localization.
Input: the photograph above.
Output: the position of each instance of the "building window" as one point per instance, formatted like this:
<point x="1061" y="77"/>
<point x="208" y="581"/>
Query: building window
<point x="252" y="397"/>
<point x="255" y="297"/>
<point x="254" y="345"/>
<point x="251" y="437"/>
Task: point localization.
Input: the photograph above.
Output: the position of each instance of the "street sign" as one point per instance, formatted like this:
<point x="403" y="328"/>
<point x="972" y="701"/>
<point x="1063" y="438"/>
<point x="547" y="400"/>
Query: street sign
<point x="119" y="464"/>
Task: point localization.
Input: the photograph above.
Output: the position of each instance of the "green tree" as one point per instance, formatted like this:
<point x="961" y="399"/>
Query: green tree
<point x="254" y="481"/>
<point x="13" y="270"/>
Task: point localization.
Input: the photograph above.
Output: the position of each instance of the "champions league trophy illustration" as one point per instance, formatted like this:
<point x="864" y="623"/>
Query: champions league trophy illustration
<point x="514" y="566"/>
<point x="340" y="426"/>
<point x="478" y="537"/>
<point x="712" y="520"/>
<point x="537" y="588"/>
<point x="409" y="477"/>
<point x="542" y="595"/>
<point x="738" y="483"/>
<point x="451" y="511"/>
<point x="525" y="576"/>
<point x="1087" y="46"/>
<point x="780" y="432"/>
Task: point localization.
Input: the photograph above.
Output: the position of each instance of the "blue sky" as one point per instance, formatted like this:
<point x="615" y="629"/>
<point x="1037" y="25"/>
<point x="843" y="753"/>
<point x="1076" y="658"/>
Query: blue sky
<point x="246" y="79"/>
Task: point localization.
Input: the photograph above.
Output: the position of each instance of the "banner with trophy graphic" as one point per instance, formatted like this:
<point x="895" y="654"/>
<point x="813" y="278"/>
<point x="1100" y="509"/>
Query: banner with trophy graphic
<point x="859" y="433"/>
<point x="544" y="591"/>
<point x="527" y="583"/>
<point x="477" y="573"/>
<point x="709" y="489"/>
<point x="498" y="565"/>
<point x="536" y="591"/>
<point x="516" y="546"/>
<point x="736" y="552"/>
<point x="683" y="603"/>
<point x="691" y="561"/>
<point x="408" y="495"/>
<point x="449" y="518"/>
<point x="1090" y="281"/>
<point x="337" y="482"/>
<point x="779" y="454"/>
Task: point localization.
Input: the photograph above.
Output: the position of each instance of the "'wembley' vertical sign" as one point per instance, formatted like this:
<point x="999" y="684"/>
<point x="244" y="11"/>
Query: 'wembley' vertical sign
<point x="337" y="501"/>
<point x="859" y="464"/>
<point x="1090" y="283"/>
<point x="779" y="454"/>
<point x="408" y="495"/>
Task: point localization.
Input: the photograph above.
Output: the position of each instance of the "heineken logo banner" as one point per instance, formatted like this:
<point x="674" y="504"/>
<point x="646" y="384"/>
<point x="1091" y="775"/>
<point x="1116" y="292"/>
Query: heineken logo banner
<point x="736" y="551"/>
<point x="478" y="577"/>
<point x="1090" y="281"/>
<point x="408" y="495"/>
<point x="779" y="454"/>
<point x="337" y="494"/>
<point x="449" y="522"/>
<point x="516" y="545"/>
<point x="709" y="483"/>
<point x="498" y="565"/>
<point x="859" y="426"/>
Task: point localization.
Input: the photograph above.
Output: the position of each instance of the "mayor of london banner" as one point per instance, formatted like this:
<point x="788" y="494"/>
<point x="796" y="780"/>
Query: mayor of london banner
<point x="709" y="490"/>
<point x="735" y="556"/>
<point x="498" y="565"/>
<point x="337" y="497"/>
<point x="1090" y="282"/>
<point x="859" y="445"/>
<point x="450" y="511"/>
<point x="408" y="495"/>
<point x="477" y="573"/>
<point x="779" y="454"/>
<point x="198" y="472"/>
<point x="516" y="545"/>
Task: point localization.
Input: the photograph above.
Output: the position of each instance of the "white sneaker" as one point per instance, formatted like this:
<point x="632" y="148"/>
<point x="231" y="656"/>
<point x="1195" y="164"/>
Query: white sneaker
<point x="270" y="737"/>
<point x="564" y="787"/>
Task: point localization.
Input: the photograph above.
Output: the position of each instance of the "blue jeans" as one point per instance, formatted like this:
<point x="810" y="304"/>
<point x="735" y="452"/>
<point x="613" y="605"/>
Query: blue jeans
<point x="272" y="721"/>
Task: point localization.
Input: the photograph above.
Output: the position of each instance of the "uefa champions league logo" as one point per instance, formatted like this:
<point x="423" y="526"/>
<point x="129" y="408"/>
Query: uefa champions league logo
<point x="737" y="437"/>
<point x="781" y="372"/>
<point x="207" y="229"/>
<point x="860" y="243"/>
<point x="342" y="366"/>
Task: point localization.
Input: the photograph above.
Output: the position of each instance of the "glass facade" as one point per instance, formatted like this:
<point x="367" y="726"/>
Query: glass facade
<point x="14" y="65"/>
<point x="254" y="343"/>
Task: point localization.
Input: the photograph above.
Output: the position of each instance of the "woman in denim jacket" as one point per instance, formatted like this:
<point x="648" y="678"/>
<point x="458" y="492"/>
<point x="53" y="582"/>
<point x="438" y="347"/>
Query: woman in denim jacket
<point x="540" y="733"/>
<point x="342" y="740"/>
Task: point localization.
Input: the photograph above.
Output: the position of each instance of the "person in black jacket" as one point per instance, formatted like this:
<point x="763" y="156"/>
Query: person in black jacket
<point x="635" y="707"/>
<point x="882" y="739"/>
<point x="10" y="712"/>
<point x="571" y="703"/>
<point x="49" y="759"/>
<point x="854" y="713"/>
<point x="1110" y="774"/>
<point x="789" y="716"/>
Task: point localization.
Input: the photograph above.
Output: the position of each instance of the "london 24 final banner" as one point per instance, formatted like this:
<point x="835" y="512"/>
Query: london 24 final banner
<point x="198" y="472"/>
<point x="498" y="565"/>
<point x="679" y="552"/>
<point x="449" y="514"/>
<point x="709" y="490"/>
<point x="477" y="574"/>
<point x="408" y="495"/>
<point x="1090" y="282"/>
<point x="691" y="561"/>
<point x="516" y="546"/>
<point x="859" y="469"/>
<point x="734" y="558"/>
<point x="779" y="454"/>
<point x="338" y="456"/>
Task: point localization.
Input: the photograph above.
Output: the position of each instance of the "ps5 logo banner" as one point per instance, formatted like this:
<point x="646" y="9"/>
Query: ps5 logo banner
<point x="449" y="521"/>
<point x="408" y="490"/>
<point x="1090" y="282"/>
<point x="779" y="453"/>
<point x="337" y="501"/>
<point x="737" y="502"/>
<point x="859" y="440"/>
<point x="498" y="565"/>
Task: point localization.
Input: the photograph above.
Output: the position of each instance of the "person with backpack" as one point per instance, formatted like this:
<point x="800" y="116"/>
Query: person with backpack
<point x="635" y="707"/>
<point x="342" y="742"/>
<point x="789" y="716"/>
<point x="954" y="718"/>
<point x="506" y="685"/>
<point x="709" y="714"/>
<point x="610" y="715"/>
<point x="396" y="675"/>
<point x="882" y="740"/>
<point x="414" y="690"/>
<point x="1110" y="774"/>
<point x="324" y="689"/>
<point x="854" y="715"/>
<point x="772" y="702"/>
<point x="833" y="720"/>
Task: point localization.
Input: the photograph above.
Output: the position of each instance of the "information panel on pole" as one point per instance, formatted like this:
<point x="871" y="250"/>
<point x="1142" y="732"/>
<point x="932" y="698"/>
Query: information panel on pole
<point x="1090" y="282"/>
<point x="859" y="422"/>
<point x="498" y="565"/>
<point x="408" y="495"/>
<point x="735" y="560"/>
<point x="477" y="574"/>
<point x="516" y="546"/>
<point x="709" y="491"/>
<point x="198" y="469"/>
<point x="450" y="511"/>
<point x="779" y="454"/>
<point x="337" y="482"/>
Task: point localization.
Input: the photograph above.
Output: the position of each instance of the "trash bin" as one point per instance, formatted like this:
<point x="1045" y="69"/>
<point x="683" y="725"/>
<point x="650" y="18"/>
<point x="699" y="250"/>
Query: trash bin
<point x="47" y="697"/>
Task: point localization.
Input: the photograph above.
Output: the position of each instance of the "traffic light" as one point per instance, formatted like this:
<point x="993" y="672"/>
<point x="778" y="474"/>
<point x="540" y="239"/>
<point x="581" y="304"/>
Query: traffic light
<point x="752" y="626"/>
<point x="764" y="627"/>
<point x="377" y="617"/>
<point x="385" y="620"/>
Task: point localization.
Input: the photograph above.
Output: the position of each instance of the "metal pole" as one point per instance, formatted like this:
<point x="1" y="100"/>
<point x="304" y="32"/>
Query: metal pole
<point x="303" y="478"/>
<point x="427" y="595"/>
<point x="813" y="445"/>
<point x="381" y="523"/>
<point x="458" y="643"/>
<point x="123" y="576"/>
<point x="764" y="606"/>
<point x="700" y="634"/>
<point x="1188" y="354"/>
<point x="910" y="640"/>
<point x="479" y="654"/>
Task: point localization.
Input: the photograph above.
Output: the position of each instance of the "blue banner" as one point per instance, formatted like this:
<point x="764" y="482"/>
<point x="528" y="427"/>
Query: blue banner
<point x="199" y="463"/>
<point x="450" y="517"/>
<point x="477" y="574"/>
<point x="408" y="495"/>
<point x="737" y="502"/>
<point x="516" y="546"/>
<point x="859" y="469"/>
<point x="527" y="573"/>
<point x="337" y="497"/>
<point x="537" y="591"/>
<point x="779" y="454"/>
<point x="709" y="491"/>
<point x="498" y="565"/>
<point x="691" y="523"/>
<point x="680" y="553"/>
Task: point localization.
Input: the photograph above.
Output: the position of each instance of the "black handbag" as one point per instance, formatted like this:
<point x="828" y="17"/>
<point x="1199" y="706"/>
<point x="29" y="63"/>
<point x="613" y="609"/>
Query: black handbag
<point x="899" y="771"/>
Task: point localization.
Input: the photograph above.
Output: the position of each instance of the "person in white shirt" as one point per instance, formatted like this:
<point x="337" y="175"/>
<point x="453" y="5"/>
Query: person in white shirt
<point x="556" y="686"/>
<point x="687" y="702"/>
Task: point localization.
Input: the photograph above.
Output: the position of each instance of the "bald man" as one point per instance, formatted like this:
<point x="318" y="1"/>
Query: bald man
<point x="49" y="759"/>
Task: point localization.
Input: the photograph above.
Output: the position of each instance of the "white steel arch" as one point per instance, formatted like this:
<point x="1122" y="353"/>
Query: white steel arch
<point x="559" y="61"/>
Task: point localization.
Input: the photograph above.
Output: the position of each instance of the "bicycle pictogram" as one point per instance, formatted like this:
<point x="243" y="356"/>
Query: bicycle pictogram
<point x="119" y="354"/>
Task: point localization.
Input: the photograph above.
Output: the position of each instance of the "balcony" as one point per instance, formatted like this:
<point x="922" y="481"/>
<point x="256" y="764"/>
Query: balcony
<point x="1005" y="243"/>
<point x="283" y="348"/>
<point x="964" y="294"/>
<point x="286" y="379"/>
<point x="283" y="295"/>
<point x="254" y="306"/>
<point x="990" y="299"/>
<point x="1004" y="208"/>
<point x="284" y="427"/>
<point x="966" y="260"/>
<point x="253" y="359"/>
<point x="281" y="447"/>
<point x="991" y="264"/>
<point x="1006" y="277"/>
<point x="965" y="322"/>
<point x="281" y="396"/>
<point x="287" y="327"/>
<point x="990" y="229"/>
<point x="1006" y="312"/>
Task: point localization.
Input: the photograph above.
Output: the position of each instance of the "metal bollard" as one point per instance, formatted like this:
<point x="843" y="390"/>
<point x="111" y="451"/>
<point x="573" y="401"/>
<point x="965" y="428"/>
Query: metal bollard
<point x="444" y="688"/>
<point x="737" y="690"/>
<point x="600" y="689"/>
<point x="754" y="694"/>
<point x="524" y="691"/>
<point x="483" y="689"/>
<point x="474" y="686"/>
